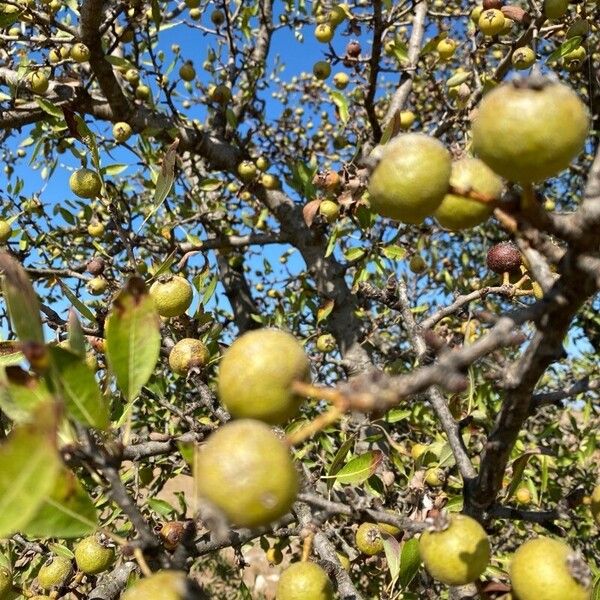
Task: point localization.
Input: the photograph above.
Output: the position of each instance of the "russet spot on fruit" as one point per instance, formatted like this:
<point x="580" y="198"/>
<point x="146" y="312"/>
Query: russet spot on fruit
<point x="519" y="130"/>
<point x="246" y="472"/>
<point x="304" y="581"/>
<point x="411" y="178"/>
<point x="456" y="551"/>
<point x="480" y="187"/>
<point x="172" y="295"/>
<point x="256" y="376"/>
<point x="186" y="354"/>
<point x="549" y="569"/>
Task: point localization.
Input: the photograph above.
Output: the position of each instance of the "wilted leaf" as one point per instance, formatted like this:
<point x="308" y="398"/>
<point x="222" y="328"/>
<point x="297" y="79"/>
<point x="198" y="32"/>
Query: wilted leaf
<point x="29" y="465"/>
<point x="310" y="210"/>
<point x="391" y="547"/>
<point x="22" y="302"/>
<point x="80" y="391"/>
<point x="325" y="310"/>
<point x="359" y="469"/>
<point x="68" y="511"/>
<point x="132" y="338"/>
<point x="410" y="561"/>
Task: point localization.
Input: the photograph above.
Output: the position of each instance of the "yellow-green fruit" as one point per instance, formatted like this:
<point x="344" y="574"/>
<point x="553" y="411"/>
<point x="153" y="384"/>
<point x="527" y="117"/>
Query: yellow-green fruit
<point x="80" y="53"/>
<point x="96" y="229"/>
<point x="97" y="286"/>
<point x="142" y="92"/>
<point x="549" y="569"/>
<point x="324" y="33"/>
<point x="459" y="211"/>
<point x="269" y="182"/>
<point x="85" y="183"/>
<point x="217" y="17"/>
<point x="417" y="450"/>
<point x="172" y="295"/>
<point x="411" y="178"/>
<point x="121" y="131"/>
<point x="256" y="376"/>
<point x="344" y="561"/>
<point x="476" y="13"/>
<point x="369" y="539"/>
<point x="195" y="14"/>
<point x="407" y="118"/>
<point x="163" y="585"/>
<point x="577" y="55"/>
<point x="186" y="354"/>
<point x="417" y="264"/>
<point x="304" y="581"/>
<point x="247" y="472"/>
<point x="262" y="163"/>
<point x="595" y="504"/>
<point x="5" y="231"/>
<point x="54" y="572"/>
<point x="336" y="15"/>
<point x="555" y="9"/>
<point x="523" y="58"/>
<point x="187" y="72"/>
<point x="387" y="528"/>
<point x="435" y="477"/>
<point x="132" y="76"/>
<point x="321" y="69"/>
<point x="274" y="555"/>
<point x="519" y="130"/>
<point x="491" y="22"/>
<point x="341" y="80"/>
<point x="93" y="556"/>
<point x="54" y="56"/>
<point x="220" y="93"/>
<point x="330" y="210"/>
<point x="247" y="170"/>
<point x="5" y="582"/>
<point x="39" y="82"/>
<point x="456" y="551"/>
<point x="523" y="495"/>
<point x="446" y="48"/>
<point x="326" y="343"/>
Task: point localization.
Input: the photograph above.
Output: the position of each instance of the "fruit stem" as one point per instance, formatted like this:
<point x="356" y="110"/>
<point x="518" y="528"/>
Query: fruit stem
<point x="307" y="546"/>
<point x="506" y="278"/>
<point x="313" y="391"/>
<point x="317" y="424"/>
<point x="141" y="561"/>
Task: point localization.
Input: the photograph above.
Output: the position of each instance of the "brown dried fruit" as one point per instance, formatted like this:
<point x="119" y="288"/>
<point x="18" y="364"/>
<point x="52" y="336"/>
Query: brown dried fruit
<point x="504" y="258"/>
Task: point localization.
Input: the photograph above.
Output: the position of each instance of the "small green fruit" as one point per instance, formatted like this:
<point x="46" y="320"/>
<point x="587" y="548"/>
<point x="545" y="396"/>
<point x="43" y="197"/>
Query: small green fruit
<point x="121" y="132"/>
<point x="217" y="17"/>
<point x="456" y="551"/>
<point x="435" y="477"/>
<point x="324" y="33"/>
<point x="322" y="69"/>
<point x="54" y="573"/>
<point x="446" y="48"/>
<point x="256" y="376"/>
<point x="186" y="354"/>
<point x="5" y="231"/>
<point x="369" y="539"/>
<point x="523" y="58"/>
<point x="38" y="82"/>
<point x="549" y="569"/>
<point x="142" y="92"/>
<point x="523" y="495"/>
<point x="337" y="15"/>
<point x="326" y="343"/>
<point x="247" y="472"/>
<point x="96" y="228"/>
<point x="491" y="22"/>
<point x="97" y="286"/>
<point x="341" y="80"/>
<point x="220" y="94"/>
<point x="93" y="555"/>
<point x="519" y="130"/>
<point x="411" y="178"/>
<point x="459" y="211"/>
<point x="330" y="210"/>
<point x="80" y="53"/>
<point x="417" y="264"/>
<point x="247" y="170"/>
<point x="407" y="118"/>
<point x="304" y="581"/>
<point x="187" y="71"/>
<point x="85" y="183"/>
<point x="163" y="585"/>
<point x="172" y="295"/>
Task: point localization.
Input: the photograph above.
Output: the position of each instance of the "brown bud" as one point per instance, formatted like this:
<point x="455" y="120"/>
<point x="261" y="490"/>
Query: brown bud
<point x="96" y="266"/>
<point x="353" y="49"/>
<point x="517" y="14"/>
<point x="504" y="258"/>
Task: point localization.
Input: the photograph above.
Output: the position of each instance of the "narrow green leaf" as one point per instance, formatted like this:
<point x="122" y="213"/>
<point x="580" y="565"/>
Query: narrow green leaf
<point x="20" y="393"/>
<point x="114" y="169"/>
<point x="90" y="141"/>
<point x="83" y="400"/>
<point x="359" y="469"/>
<point x="394" y="252"/>
<point x="353" y="254"/>
<point x="77" y="303"/>
<point x="391" y="547"/>
<point x="566" y="47"/>
<point x="342" y="104"/>
<point x="132" y="338"/>
<point x="22" y="303"/>
<point x="49" y="107"/>
<point x="68" y="511"/>
<point x="338" y="460"/>
<point x="29" y="465"/>
<point x="325" y="310"/>
<point x="76" y="336"/>
<point x="410" y="561"/>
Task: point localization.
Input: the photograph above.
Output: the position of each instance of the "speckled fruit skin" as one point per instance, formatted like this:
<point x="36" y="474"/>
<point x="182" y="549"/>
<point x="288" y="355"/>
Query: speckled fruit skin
<point x="164" y="585"/>
<point x="539" y="569"/>
<point x="172" y="296"/>
<point x="304" y="581"/>
<point x="595" y="505"/>
<point x="503" y="258"/>
<point x="54" y="572"/>
<point x="519" y="130"/>
<point x="188" y="353"/>
<point x="85" y="183"/>
<point x="461" y="212"/>
<point x="411" y="179"/>
<point x="247" y="473"/>
<point x="256" y="374"/>
<point x="93" y="557"/>
<point x="457" y="555"/>
<point x="369" y="539"/>
<point x="121" y="132"/>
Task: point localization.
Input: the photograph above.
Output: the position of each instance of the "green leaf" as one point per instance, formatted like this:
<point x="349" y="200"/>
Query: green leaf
<point x="354" y="254"/>
<point x="359" y="469"/>
<point x="80" y="391"/>
<point x="391" y="547"/>
<point x="77" y="303"/>
<point x="325" y="310"/>
<point x="161" y="507"/>
<point x="76" y="336"/>
<point x="119" y="61"/>
<point x="90" y="141"/>
<point x="22" y="303"/>
<point x="342" y="104"/>
<point x="564" y="48"/>
<point x="68" y="511"/>
<point x="458" y="78"/>
<point x="410" y="561"/>
<point x="132" y="338"/>
<point x="20" y="393"/>
<point x="156" y="13"/>
<point x="338" y="460"/>
<point x="10" y="353"/>
<point x="49" y="107"/>
<point x="114" y="169"/>
<point x="394" y="252"/>
<point x="210" y="185"/>
<point x="29" y="465"/>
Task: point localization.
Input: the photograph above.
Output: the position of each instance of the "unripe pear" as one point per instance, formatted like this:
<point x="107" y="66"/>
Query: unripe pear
<point x="324" y="33"/>
<point x="80" y="53"/>
<point x="491" y="22"/>
<point x="411" y="178"/>
<point x="326" y="343"/>
<point x="369" y="539"/>
<point x="172" y="295"/>
<point x="93" y="555"/>
<point x="5" y="231"/>
<point x="321" y="69"/>
<point x="38" y="81"/>
<point x="304" y="581"/>
<point x="187" y="71"/>
<point x="121" y="132"/>
<point x="54" y="572"/>
<point x="256" y="376"/>
<point x="330" y="210"/>
<point x="85" y="183"/>
<point x="97" y="286"/>
<point x="164" y="585"/>
<point x="523" y="58"/>
<point x="186" y="354"/>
